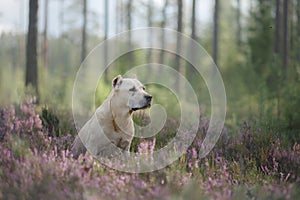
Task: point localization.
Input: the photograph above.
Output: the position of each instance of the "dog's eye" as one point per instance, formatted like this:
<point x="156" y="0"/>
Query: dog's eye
<point x="132" y="89"/>
<point x="143" y="88"/>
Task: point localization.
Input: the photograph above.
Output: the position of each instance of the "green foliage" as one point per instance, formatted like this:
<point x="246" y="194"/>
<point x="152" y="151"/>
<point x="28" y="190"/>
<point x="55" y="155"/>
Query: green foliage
<point x="102" y="92"/>
<point x="261" y="37"/>
<point x="50" y="122"/>
<point x="291" y="102"/>
<point x="57" y="123"/>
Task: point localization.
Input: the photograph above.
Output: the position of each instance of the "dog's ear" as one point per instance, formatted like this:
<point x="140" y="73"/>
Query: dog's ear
<point x="117" y="81"/>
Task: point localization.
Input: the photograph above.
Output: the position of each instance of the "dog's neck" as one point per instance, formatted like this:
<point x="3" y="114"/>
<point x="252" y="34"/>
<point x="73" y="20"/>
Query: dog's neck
<point x="121" y="120"/>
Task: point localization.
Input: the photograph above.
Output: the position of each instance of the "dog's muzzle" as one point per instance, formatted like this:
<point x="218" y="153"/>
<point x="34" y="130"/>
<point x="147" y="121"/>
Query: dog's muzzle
<point x="148" y="99"/>
<point x="146" y="103"/>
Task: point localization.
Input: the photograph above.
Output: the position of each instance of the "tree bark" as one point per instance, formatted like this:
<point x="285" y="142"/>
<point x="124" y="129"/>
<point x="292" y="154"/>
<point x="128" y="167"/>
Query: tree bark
<point x="118" y="14"/>
<point x="84" y="25"/>
<point x="285" y="35"/>
<point x="61" y="17"/>
<point x="129" y="40"/>
<point x="278" y="27"/>
<point x="179" y="29"/>
<point x="298" y="28"/>
<point x="129" y="10"/>
<point x="178" y="66"/>
<point x="45" y="36"/>
<point x="216" y="33"/>
<point x="149" y="19"/>
<point x="105" y="38"/>
<point x="193" y="36"/>
<point x="163" y="25"/>
<point x="31" y="48"/>
<point x="239" y="26"/>
<point x="122" y="21"/>
<point x="298" y="18"/>
<point x="193" y="21"/>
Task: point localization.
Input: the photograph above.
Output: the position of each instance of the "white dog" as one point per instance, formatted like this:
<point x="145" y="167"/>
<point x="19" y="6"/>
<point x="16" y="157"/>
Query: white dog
<point x="111" y="125"/>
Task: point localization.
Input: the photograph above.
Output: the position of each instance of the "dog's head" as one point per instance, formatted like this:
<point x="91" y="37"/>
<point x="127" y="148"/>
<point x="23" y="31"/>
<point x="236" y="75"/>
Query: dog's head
<point x="130" y="93"/>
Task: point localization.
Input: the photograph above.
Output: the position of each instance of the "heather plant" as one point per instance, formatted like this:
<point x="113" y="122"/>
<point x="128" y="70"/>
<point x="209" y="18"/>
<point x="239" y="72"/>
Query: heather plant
<point x="35" y="163"/>
<point x="25" y="123"/>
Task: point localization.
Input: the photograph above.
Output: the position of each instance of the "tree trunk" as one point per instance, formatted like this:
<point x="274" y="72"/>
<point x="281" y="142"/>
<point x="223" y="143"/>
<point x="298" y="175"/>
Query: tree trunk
<point x="278" y="28"/>
<point x="84" y="25"/>
<point x="179" y="29"/>
<point x="129" y="10"/>
<point x="129" y="21"/>
<point x="298" y="28"/>
<point x="178" y="66"/>
<point x="251" y="6"/>
<point x="285" y="58"/>
<point x="278" y="48"/>
<point x="193" y="36"/>
<point x="45" y="36"/>
<point x="61" y="17"/>
<point x="118" y="14"/>
<point x="163" y="25"/>
<point x="298" y="18"/>
<point x="105" y="38"/>
<point x="106" y="19"/>
<point x="149" y="19"/>
<point x="239" y="26"/>
<point x="193" y="21"/>
<point x="122" y="21"/>
<point x="31" y="48"/>
<point x="216" y="33"/>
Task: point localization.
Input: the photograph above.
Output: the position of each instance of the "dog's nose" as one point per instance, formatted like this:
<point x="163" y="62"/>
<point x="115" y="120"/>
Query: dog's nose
<point x="148" y="97"/>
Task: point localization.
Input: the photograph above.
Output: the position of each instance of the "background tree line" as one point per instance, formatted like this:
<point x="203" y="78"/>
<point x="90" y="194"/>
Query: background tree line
<point x="256" y="48"/>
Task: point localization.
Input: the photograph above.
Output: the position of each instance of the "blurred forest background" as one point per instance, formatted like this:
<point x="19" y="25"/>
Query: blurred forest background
<point x="255" y="44"/>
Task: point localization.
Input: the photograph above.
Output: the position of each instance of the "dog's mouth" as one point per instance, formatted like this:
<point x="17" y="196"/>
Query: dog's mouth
<point x="145" y="103"/>
<point x="141" y="108"/>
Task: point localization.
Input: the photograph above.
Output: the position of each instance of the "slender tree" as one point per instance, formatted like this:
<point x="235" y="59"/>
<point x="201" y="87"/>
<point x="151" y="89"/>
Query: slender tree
<point x="277" y="43"/>
<point x="193" y="20"/>
<point x="106" y="19"/>
<point x="105" y="38"/>
<point x="238" y="21"/>
<point x="163" y="25"/>
<point x="298" y="28"/>
<point x="149" y="21"/>
<point x="31" y="47"/>
<point x="129" y="12"/>
<point x="285" y="56"/>
<point x="122" y="18"/>
<point x="118" y="14"/>
<point x="179" y="29"/>
<point x="193" y="36"/>
<point x="61" y="16"/>
<point x="45" y="35"/>
<point x="149" y="12"/>
<point x="278" y="28"/>
<point x="278" y="46"/>
<point x="84" y="26"/>
<point x="298" y="17"/>
<point x="216" y="32"/>
<point x="129" y="24"/>
<point x="178" y="66"/>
